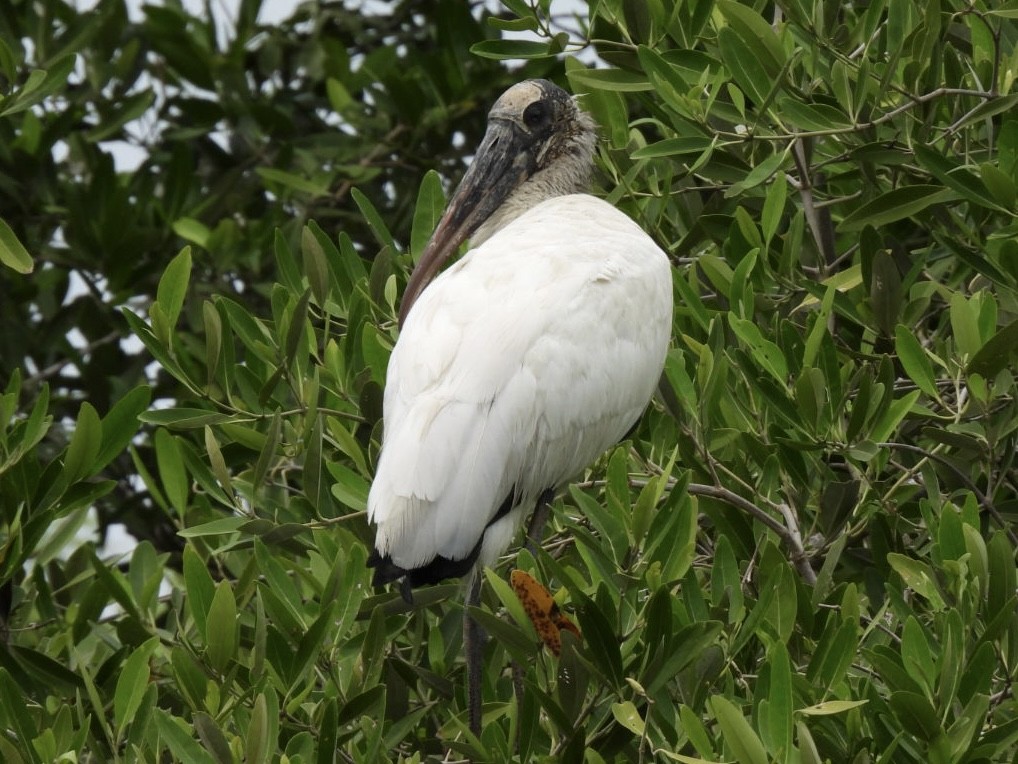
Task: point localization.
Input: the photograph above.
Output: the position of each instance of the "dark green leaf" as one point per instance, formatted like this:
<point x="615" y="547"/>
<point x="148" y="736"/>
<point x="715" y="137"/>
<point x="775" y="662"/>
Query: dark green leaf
<point x="12" y="253"/>
<point x="501" y="50"/>
<point x="895" y="205"/>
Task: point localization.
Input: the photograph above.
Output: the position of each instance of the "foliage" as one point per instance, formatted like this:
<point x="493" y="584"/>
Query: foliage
<point x="806" y="551"/>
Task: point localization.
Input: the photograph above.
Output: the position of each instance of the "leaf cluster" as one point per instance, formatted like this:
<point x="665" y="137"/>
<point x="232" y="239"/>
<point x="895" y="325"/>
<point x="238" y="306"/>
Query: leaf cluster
<point x="804" y="553"/>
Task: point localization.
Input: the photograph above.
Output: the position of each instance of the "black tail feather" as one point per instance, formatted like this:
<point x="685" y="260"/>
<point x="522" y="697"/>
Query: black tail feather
<point x="438" y="568"/>
<point x="433" y="572"/>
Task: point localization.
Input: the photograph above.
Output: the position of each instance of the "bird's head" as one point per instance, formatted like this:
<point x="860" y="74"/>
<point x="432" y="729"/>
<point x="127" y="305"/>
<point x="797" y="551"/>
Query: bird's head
<point x="538" y="144"/>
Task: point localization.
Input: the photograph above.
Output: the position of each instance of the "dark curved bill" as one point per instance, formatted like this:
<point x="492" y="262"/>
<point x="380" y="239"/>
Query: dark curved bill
<point x="500" y="165"/>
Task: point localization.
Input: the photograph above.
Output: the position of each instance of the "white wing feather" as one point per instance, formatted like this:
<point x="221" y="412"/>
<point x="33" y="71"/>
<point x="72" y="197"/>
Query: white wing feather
<point x="518" y="366"/>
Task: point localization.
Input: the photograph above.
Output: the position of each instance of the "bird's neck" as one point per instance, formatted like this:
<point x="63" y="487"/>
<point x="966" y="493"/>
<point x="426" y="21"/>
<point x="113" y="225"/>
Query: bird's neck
<point x="568" y="174"/>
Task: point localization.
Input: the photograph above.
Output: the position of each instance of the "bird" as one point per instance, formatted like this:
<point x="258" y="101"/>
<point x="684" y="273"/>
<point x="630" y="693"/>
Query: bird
<point x="520" y="364"/>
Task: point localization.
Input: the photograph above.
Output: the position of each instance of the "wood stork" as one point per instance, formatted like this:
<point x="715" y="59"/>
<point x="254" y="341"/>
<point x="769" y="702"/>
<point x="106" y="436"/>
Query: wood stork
<point x="520" y="364"/>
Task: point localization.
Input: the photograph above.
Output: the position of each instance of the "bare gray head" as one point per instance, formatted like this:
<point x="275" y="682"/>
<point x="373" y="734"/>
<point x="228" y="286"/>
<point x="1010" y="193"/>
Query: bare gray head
<point x="539" y="144"/>
<point x="554" y="139"/>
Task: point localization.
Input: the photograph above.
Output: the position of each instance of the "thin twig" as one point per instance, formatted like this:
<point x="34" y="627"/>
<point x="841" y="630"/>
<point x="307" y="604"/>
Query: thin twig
<point x="823" y="237"/>
<point x="57" y="367"/>
<point x="984" y="501"/>
<point x="860" y="126"/>
<point x="790" y="537"/>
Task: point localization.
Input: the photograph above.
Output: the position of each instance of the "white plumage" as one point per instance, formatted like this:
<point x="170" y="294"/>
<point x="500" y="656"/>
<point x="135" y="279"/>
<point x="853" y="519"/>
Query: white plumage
<point x="516" y="368"/>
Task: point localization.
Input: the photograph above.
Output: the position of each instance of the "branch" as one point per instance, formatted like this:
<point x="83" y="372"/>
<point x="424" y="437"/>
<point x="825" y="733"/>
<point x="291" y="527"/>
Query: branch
<point x="57" y="367"/>
<point x="860" y="126"/>
<point x="789" y="534"/>
<point x="823" y="234"/>
<point x="984" y="501"/>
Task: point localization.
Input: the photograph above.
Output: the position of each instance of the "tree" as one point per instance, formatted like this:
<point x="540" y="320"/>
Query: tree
<point x="805" y="552"/>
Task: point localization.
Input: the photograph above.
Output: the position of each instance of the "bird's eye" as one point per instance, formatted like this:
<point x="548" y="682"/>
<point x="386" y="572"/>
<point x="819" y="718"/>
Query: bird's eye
<point x="535" y="115"/>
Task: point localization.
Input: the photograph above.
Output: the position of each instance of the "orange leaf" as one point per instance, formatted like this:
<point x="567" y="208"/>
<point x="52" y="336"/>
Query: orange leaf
<point x="542" y="610"/>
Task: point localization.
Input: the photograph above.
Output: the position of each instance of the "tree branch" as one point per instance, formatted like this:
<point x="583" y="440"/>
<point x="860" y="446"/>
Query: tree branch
<point x="789" y="534"/>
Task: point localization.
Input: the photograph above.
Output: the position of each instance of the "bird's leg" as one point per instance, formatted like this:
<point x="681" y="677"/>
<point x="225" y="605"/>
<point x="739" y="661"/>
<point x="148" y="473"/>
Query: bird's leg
<point x="535" y="531"/>
<point x="473" y="646"/>
<point x="519" y="673"/>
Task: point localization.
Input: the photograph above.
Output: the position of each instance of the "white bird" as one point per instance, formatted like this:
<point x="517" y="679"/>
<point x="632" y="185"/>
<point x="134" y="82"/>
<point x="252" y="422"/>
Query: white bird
<point x="523" y="362"/>
<point x="519" y="365"/>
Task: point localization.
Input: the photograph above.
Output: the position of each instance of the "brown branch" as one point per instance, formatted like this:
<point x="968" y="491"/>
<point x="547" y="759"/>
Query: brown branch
<point x="56" y="368"/>
<point x="789" y="535"/>
<point x="984" y="501"/>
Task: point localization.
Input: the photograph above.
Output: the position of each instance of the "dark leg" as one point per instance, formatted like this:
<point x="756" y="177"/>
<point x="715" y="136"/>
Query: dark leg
<point x="473" y="646"/>
<point x="518" y="675"/>
<point x="535" y="531"/>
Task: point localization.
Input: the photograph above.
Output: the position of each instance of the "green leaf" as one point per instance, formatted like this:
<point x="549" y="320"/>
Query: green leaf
<point x="316" y="268"/>
<point x="885" y="291"/>
<point x="765" y="353"/>
<point x="183" y="418"/>
<point x="120" y="425"/>
<point x="779" y="702"/>
<point x="214" y="527"/>
<point x="199" y="588"/>
<point x="212" y="738"/>
<point x="916" y="715"/>
<point x="915" y="361"/>
<point x="12" y="253"/>
<point x="756" y="33"/>
<point x="1000" y="185"/>
<point x="257" y="744"/>
<point x="918" y="576"/>
<point x="965" y="325"/>
<point x="193" y="231"/>
<point x="213" y="340"/>
<point x="991" y="107"/>
<point x="738" y="735"/>
<point x="829" y="707"/>
<point x="746" y="65"/>
<point x="673" y="147"/>
<point x="501" y="50"/>
<point x="295" y="330"/>
<point x="915" y="654"/>
<point x="430" y="203"/>
<point x="126" y="110"/>
<point x="173" y="286"/>
<point x="812" y="116"/>
<point x="84" y="448"/>
<point x="615" y="80"/>
<point x="894" y="205"/>
<point x="217" y="462"/>
<point x="39" y="85"/>
<point x="179" y="739"/>
<point x="996" y="354"/>
<point x="350" y="489"/>
<point x="281" y="178"/>
<point x="339" y="96"/>
<point x="511" y="603"/>
<point x="625" y="713"/>
<point x="1002" y="571"/>
<point x="897" y="411"/>
<point x="603" y="643"/>
<point x="956" y="177"/>
<point x="171" y="470"/>
<point x="773" y="208"/>
<point x="15" y="712"/>
<point x="223" y="629"/>
<point x="666" y="79"/>
<point x="374" y="220"/>
<point x="132" y="683"/>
